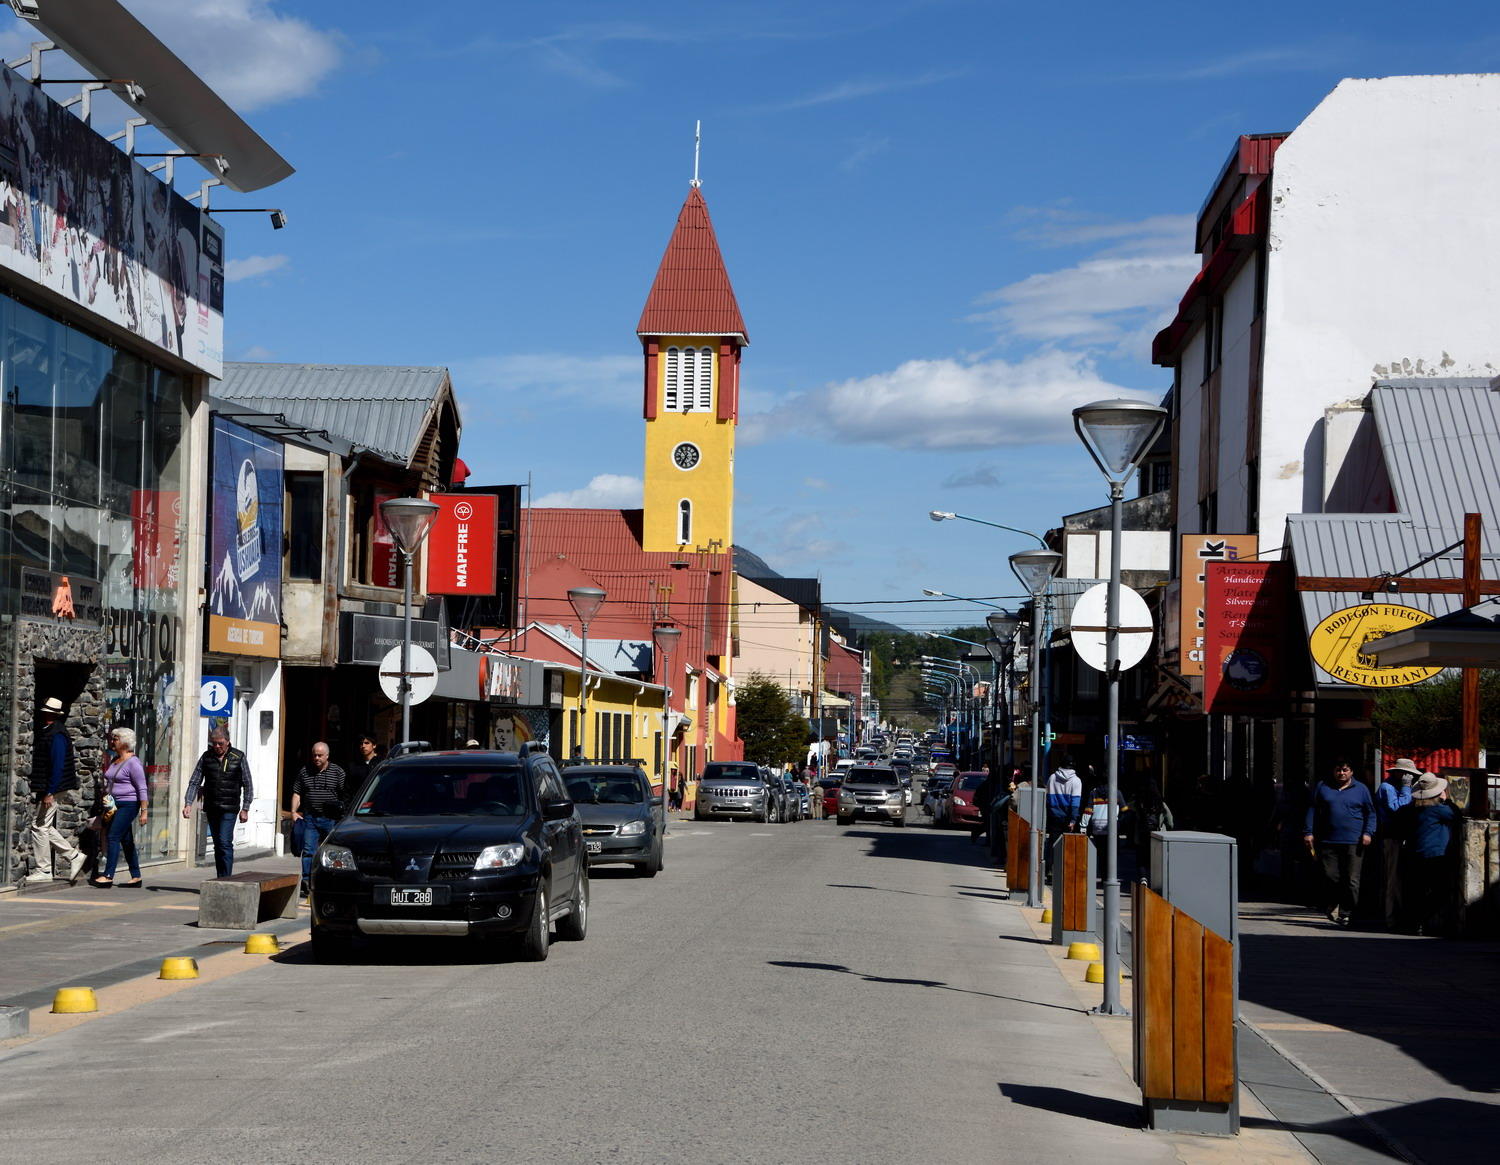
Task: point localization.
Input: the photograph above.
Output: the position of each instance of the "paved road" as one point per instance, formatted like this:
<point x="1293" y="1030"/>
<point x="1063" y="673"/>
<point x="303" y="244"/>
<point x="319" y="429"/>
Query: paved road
<point x="781" y="993"/>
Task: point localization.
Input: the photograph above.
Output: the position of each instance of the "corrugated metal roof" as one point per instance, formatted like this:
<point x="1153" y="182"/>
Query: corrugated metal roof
<point x="378" y="407"/>
<point x="692" y="295"/>
<point x="605" y="546"/>
<point x="1441" y="442"/>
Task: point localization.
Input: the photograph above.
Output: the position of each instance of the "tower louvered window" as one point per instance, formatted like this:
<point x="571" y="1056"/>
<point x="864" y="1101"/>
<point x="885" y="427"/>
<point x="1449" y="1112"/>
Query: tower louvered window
<point x="688" y="385"/>
<point x="672" y="398"/>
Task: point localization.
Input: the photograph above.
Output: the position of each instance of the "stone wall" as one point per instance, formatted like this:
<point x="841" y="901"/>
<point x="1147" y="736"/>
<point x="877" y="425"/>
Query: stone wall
<point x="87" y="721"/>
<point x="1480" y="903"/>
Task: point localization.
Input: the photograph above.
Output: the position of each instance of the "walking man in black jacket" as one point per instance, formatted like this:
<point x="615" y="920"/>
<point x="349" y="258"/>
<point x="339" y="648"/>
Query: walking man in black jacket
<point x="221" y="783"/>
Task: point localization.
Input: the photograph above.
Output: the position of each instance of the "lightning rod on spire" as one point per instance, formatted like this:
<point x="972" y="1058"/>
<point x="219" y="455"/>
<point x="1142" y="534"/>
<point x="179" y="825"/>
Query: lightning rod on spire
<point x="697" y="142"/>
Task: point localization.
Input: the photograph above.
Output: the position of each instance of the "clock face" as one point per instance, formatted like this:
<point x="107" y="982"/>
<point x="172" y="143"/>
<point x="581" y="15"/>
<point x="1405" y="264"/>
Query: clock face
<point x="686" y="456"/>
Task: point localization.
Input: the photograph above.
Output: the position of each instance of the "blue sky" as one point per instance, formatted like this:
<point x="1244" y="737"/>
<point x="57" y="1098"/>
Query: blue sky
<point x="947" y="221"/>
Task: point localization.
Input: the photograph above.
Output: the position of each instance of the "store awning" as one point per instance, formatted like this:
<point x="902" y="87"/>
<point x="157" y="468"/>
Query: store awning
<point x="1466" y="638"/>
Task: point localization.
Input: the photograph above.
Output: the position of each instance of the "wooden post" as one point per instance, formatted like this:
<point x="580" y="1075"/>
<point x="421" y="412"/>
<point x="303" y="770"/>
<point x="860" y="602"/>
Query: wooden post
<point x="1473" y="532"/>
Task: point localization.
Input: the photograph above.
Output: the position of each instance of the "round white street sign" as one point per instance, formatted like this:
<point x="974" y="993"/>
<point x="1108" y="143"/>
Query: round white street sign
<point x="424" y="674"/>
<point x="1090" y="613"/>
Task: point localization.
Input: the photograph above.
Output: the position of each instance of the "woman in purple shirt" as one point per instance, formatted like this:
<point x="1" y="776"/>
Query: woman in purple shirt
<point x="125" y="781"/>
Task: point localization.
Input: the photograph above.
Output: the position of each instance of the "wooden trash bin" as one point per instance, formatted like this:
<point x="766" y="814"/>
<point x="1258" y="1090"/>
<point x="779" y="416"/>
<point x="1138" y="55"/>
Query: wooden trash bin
<point x="1185" y="1059"/>
<point x="1074" y="907"/>
<point x="1017" y="852"/>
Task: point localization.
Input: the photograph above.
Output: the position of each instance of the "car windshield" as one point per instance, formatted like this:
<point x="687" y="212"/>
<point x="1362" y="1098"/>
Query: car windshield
<point x="731" y="772"/>
<point x="605" y="789"/>
<point x="423" y="790"/>
<point x="871" y="777"/>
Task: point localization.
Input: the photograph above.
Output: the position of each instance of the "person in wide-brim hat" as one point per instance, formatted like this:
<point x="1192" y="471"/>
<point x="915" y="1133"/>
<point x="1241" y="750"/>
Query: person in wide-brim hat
<point x="1428" y="786"/>
<point x="1405" y="765"/>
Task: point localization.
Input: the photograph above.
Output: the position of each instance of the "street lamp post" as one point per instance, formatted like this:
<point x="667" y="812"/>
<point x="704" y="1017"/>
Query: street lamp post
<point x="1002" y="625"/>
<point x="408" y="520"/>
<point x="1117" y="434"/>
<point x="949" y="515"/>
<point x="1036" y="569"/>
<point x="586" y="603"/>
<point x="666" y="638"/>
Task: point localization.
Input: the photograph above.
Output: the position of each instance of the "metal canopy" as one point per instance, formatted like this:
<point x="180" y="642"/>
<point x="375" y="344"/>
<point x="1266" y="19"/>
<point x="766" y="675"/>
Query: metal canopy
<point x="109" y="42"/>
<point x="1466" y="638"/>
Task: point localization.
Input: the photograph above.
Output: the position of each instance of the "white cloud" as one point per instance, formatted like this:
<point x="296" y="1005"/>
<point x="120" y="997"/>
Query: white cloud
<point x="602" y="379"/>
<point x="858" y="90"/>
<point x="981" y="476"/>
<point x="815" y="483"/>
<point x="946" y="404"/>
<point x="253" y="267"/>
<point x="864" y="149"/>
<point x="251" y="54"/>
<point x="256" y="352"/>
<point x="609" y="491"/>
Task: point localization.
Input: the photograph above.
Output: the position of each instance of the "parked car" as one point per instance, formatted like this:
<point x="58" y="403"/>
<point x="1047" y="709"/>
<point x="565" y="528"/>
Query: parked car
<point x="872" y="791"/>
<point x="932" y="796"/>
<point x="452" y="844"/>
<point x="736" y="790"/>
<point x="828" y="789"/>
<point x="621" y="816"/>
<point x="780" y="795"/>
<point x="791" y="798"/>
<point x="960" y="810"/>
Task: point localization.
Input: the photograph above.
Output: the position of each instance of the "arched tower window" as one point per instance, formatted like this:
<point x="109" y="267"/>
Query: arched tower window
<point x="684" y="522"/>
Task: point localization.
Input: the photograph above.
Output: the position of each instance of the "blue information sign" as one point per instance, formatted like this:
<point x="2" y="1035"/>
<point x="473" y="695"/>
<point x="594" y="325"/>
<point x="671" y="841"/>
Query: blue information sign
<point x="216" y="696"/>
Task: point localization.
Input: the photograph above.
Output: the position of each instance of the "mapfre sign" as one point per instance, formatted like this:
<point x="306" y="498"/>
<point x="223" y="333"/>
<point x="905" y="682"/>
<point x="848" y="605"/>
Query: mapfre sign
<point x="461" y="546"/>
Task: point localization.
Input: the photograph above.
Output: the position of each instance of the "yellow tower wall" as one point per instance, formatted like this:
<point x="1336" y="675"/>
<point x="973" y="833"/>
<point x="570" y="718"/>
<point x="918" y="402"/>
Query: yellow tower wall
<point x="709" y="486"/>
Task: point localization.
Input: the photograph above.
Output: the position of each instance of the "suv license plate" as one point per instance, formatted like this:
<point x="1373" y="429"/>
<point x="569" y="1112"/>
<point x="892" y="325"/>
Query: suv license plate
<point x="412" y="895"/>
<point x="595" y="847"/>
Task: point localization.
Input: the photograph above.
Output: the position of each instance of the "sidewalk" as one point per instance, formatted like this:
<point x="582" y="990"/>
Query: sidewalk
<point x="1402" y="1031"/>
<point x="77" y="936"/>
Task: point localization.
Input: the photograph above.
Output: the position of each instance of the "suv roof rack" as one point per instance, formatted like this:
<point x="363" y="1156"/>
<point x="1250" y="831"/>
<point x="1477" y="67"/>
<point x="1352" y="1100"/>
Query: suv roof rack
<point x="573" y="761"/>
<point x="531" y="747"/>
<point x="407" y="747"/>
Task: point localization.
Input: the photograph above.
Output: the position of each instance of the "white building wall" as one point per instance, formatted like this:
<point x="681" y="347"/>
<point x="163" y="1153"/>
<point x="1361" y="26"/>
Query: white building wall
<point x="1235" y="371"/>
<point x="1383" y="240"/>
<point x="1189" y="428"/>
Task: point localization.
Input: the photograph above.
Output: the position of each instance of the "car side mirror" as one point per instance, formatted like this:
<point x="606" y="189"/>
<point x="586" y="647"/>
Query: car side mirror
<point x="656" y="799"/>
<point x="557" y="811"/>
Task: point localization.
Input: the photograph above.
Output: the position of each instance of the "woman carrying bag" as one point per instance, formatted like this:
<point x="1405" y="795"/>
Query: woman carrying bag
<point x="125" y="784"/>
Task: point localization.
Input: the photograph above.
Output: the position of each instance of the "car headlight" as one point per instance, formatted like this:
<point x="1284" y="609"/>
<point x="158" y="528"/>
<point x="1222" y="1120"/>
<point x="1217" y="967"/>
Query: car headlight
<point x="336" y="857"/>
<point x="632" y="829"/>
<point x="845" y="795"/>
<point x="896" y="798"/>
<point x="500" y="857"/>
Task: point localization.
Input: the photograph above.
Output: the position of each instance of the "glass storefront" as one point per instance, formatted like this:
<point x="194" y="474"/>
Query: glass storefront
<point x="91" y="463"/>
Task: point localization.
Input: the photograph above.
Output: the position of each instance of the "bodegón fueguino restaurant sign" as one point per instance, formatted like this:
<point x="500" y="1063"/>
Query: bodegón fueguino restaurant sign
<point x="1337" y="645"/>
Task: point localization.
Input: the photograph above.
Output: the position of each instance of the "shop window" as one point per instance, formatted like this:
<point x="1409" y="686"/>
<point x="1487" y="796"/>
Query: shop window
<point x="304" y="526"/>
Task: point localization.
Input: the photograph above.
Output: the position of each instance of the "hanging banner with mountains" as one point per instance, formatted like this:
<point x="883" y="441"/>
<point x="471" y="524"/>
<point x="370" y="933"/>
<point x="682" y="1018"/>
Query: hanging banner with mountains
<point x="244" y="543"/>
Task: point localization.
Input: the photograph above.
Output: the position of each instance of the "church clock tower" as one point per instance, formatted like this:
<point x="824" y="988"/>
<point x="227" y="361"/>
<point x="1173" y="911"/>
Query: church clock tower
<point x="692" y="334"/>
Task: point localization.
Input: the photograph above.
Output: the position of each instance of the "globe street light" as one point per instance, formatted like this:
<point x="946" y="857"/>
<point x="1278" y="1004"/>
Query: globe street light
<point x="1036" y="569"/>
<point x="586" y="603"/>
<point x="1002" y="625"/>
<point x="408" y="520"/>
<point x="666" y="637"/>
<point x="1117" y="434"/>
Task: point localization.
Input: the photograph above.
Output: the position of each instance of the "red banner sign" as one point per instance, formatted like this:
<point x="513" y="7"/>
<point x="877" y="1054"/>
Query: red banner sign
<point x="461" y="546"/>
<point x="1247" y="609"/>
<point x="155" y="517"/>
<point x="385" y="563"/>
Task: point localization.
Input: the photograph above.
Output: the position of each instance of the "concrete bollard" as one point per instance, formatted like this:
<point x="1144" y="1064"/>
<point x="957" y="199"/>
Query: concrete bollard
<point x="1095" y="974"/>
<point x="1047" y="916"/>
<point x="14" y="1022"/>
<point x="262" y="944"/>
<point x="74" y="1001"/>
<point x="1084" y="952"/>
<point x="179" y="968"/>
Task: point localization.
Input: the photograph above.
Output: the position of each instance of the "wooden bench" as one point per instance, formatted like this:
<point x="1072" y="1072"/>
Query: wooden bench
<point x="242" y="901"/>
<point x="1184" y="1007"/>
<point x="1017" y="853"/>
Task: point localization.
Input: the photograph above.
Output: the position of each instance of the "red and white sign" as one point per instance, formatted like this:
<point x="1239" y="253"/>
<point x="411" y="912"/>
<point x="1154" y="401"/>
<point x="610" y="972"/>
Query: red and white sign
<point x="385" y="563"/>
<point x="1247" y="609"/>
<point x="461" y="546"/>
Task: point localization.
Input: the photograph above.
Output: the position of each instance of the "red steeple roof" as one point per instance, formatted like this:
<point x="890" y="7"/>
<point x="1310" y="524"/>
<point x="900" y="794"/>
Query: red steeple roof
<point x="692" y="295"/>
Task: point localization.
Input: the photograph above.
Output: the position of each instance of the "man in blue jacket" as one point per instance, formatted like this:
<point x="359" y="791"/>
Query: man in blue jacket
<point x="1064" y="805"/>
<point x="1340" y="823"/>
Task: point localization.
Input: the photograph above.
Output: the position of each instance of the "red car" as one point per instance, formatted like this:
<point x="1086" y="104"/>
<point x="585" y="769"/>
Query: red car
<point x="962" y="813"/>
<point x="828" y="790"/>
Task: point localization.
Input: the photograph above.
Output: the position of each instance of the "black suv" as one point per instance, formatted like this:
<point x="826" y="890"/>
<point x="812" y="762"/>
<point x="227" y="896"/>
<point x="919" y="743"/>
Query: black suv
<point x="621" y="816"/>
<point x="455" y="843"/>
